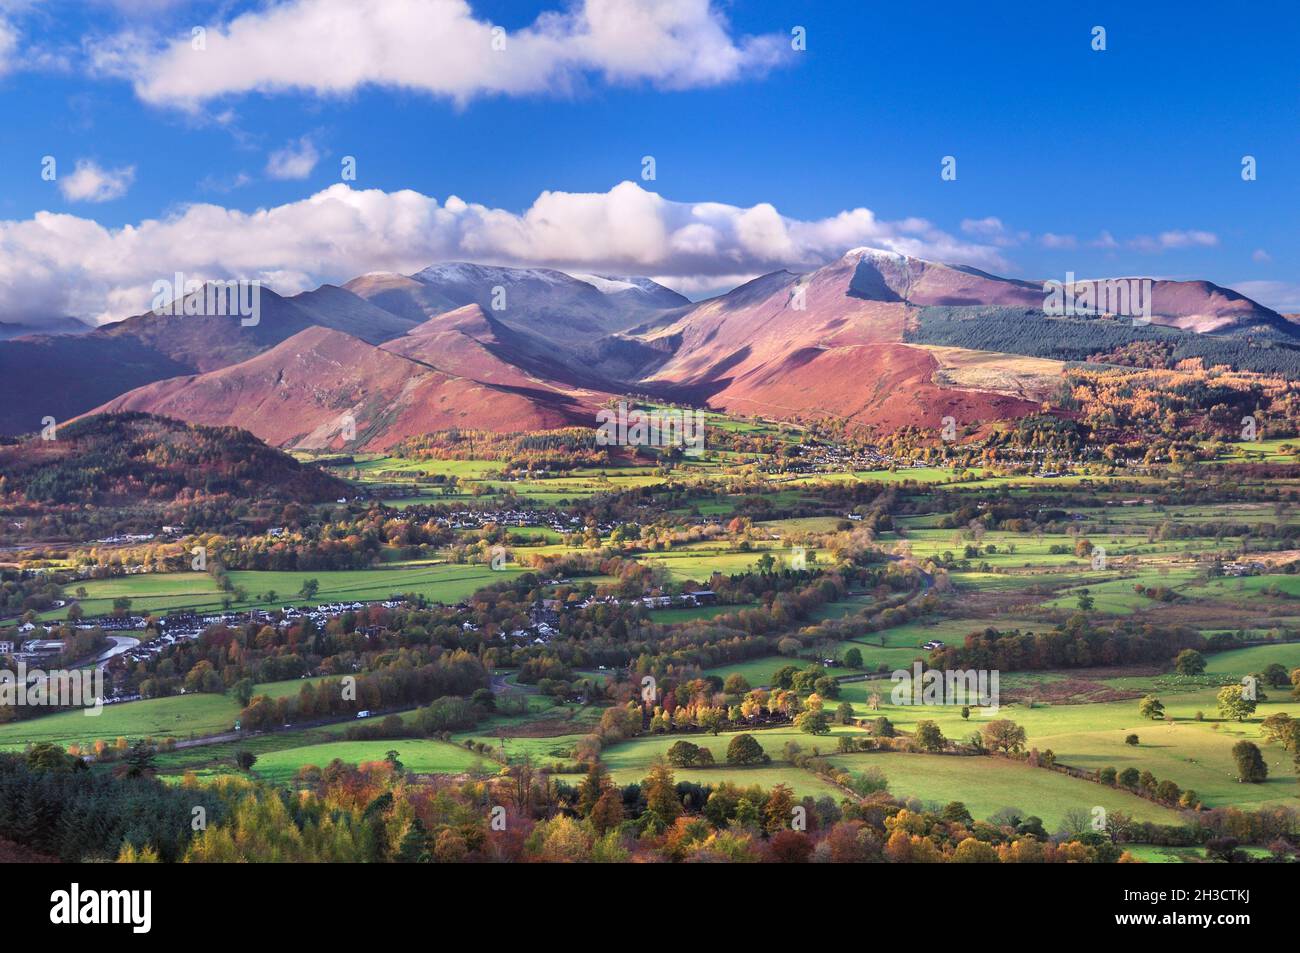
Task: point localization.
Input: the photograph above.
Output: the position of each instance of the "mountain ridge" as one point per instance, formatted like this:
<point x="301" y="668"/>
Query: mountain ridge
<point x="534" y="348"/>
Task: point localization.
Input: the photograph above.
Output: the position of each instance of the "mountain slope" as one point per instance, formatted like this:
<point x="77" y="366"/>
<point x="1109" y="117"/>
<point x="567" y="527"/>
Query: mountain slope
<point x="837" y="341"/>
<point x="63" y="376"/>
<point x="330" y="306"/>
<point x="17" y="329"/>
<point x="877" y="338"/>
<point x="119" y="458"/>
<point x="315" y="389"/>
<point x="66" y="375"/>
<point x="534" y="300"/>
<point x="468" y="342"/>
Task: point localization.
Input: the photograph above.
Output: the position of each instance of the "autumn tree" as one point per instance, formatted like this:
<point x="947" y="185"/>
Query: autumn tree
<point x="1250" y="763"/>
<point x="1189" y="662"/>
<point x="592" y="787"/>
<point x="1151" y="707"/>
<point x="813" y="722"/>
<point x="660" y="790"/>
<point x="683" y="754"/>
<point x="1233" y="703"/>
<point x="607" y="814"/>
<point x="1004" y="735"/>
<point x="928" y="737"/>
<point x="777" y="813"/>
<point x="743" y="749"/>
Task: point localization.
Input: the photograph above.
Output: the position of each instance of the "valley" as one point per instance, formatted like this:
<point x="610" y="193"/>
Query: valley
<point x="773" y="588"/>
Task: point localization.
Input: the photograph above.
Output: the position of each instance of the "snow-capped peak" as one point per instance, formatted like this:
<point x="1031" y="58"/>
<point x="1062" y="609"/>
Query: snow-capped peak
<point x="866" y="251"/>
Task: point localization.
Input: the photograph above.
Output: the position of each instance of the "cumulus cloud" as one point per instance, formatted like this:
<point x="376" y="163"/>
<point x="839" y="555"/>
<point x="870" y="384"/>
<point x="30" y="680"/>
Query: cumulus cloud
<point x="990" y="227"/>
<point x="90" y="182"/>
<point x="59" y="264"/>
<point x="335" y="47"/>
<point x="295" y="161"/>
<point x="8" y="46"/>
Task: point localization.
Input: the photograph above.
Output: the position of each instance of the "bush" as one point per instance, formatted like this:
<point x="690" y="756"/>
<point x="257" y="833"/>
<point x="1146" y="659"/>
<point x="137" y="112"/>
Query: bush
<point x="683" y="754"/>
<point x="743" y="749"/>
<point x="449" y="713"/>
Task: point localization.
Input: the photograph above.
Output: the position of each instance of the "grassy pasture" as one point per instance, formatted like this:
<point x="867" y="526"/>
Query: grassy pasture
<point x="160" y="592"/>
<point x="1194" y="754"/>
<point x="420" y="755"/>
<point x="985" y="785"/>
<point x="177" y="716"/>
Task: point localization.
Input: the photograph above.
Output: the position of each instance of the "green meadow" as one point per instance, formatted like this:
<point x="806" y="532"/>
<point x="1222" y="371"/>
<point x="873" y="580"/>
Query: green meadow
<point x="1194" y="754"/>
<point x="159" y="592"/>
<point x="419" y="755"/>
<point x="177" y="716"/>
<point x="986" y="785"/>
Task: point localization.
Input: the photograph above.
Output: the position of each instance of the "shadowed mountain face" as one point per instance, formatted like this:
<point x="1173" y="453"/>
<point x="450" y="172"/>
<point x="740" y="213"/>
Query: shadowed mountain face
<point x="63" y="376"/>
<point x="514" y="349"/>
<point x="112" y="459"/>
<point x="17" y="329"/>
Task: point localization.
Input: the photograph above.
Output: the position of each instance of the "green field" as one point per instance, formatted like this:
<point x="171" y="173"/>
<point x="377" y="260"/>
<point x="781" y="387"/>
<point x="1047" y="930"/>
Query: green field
<point x="159" y="592"/>
<point x="420" y="755"/>
<point x="986" y="785"/>
<point x="177" y="716"/>
<point x="1194" y="754"/>
<point x="1154" y="854"/>
<point x="153" y="591"/>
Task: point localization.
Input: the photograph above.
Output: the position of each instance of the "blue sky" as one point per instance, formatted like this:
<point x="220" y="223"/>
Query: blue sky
<point x="1122" y="161"/>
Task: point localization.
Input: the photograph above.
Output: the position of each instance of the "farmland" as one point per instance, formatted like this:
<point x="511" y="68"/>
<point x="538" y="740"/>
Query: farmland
<point x="158" y="593"/>
<point x="894" y="588"/>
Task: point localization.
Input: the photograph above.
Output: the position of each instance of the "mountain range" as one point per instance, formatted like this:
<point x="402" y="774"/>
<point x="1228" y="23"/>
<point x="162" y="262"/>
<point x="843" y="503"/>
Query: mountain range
<point x="877" y="339"/>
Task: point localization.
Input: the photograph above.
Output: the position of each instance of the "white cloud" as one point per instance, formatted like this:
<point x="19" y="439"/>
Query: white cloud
<point x="90" y="182"/>
<point x="335" y="47"/>
<point x="59" y="264"/>
<point x="8" y="46"/>
<point x="294" y="161"/>
<point x="1261" y="256"/>
<point x="1175" y="239"/>
<point x="990" y="227"/>
<point x="224" y="184"/>
<point x="1052" y="240"/>
<point x="1281" y="296"/>
<point x="992" y="230"/>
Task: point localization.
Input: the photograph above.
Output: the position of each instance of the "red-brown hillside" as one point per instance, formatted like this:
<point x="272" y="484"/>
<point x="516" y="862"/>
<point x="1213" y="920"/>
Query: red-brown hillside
<point x="881" y="386"/>
<point x="300" y="393"/>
